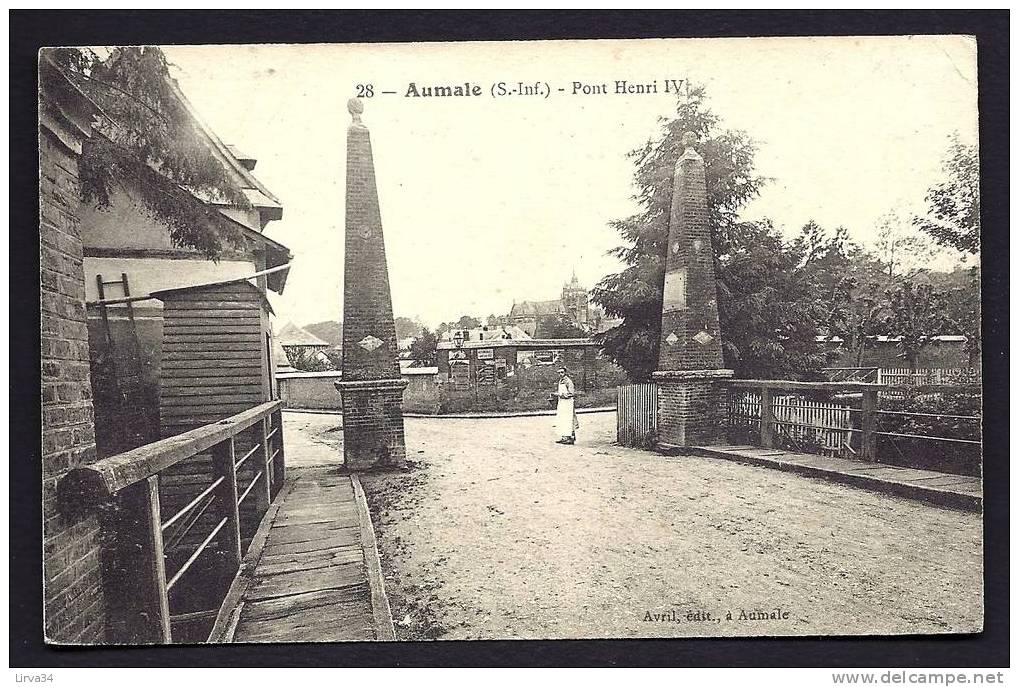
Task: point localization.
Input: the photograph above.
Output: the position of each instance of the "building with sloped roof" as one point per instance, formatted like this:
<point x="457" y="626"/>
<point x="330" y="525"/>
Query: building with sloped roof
<point x="128" y="252"/>
<point x="290" y="335"/>
<point x="573" y="304"/>
<point x="302" y="348"/>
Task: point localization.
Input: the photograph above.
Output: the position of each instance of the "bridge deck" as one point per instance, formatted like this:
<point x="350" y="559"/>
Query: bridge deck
<point x="305" y="577"/>
<point x="957" y="491"/>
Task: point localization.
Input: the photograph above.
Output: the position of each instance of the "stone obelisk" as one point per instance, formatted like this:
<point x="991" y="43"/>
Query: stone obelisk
<point x="371" y="388"/>
<point x="690" y="363"/>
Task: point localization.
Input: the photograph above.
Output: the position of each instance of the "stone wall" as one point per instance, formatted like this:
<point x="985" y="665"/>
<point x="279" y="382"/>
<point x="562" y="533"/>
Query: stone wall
<point x="316" y="391"/>
<point x="73" y="595"/>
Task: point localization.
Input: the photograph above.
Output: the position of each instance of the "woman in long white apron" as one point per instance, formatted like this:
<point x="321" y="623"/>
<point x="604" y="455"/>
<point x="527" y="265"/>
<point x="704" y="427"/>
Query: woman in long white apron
<point x="566" y="412"/>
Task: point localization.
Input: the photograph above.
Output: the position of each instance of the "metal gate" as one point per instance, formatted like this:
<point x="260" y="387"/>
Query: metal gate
<point x="637" y="415"/>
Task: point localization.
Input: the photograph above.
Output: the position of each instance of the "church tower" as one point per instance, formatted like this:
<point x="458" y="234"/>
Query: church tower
<point x="575" y="302"/>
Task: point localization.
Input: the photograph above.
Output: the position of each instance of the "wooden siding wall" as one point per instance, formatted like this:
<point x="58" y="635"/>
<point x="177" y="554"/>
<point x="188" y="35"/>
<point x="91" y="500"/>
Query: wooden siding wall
<point x="637" y="415"/>
<point x="214" y="365"/>
<point x="213" y="356"/>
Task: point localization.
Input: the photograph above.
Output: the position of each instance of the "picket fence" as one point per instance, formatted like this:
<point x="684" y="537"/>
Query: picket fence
<point x="903" y="376"/>
<point x="637" y="414"/>
<point x="824" y="426"/>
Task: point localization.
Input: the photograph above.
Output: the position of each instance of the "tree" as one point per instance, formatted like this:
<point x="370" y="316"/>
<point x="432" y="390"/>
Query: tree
<point x="963" y="313"/>
<point x="953" y="206"/>
<point x="902" y="250"/>
<point x="852" y="283"/>
<point x="424" y="349"/>
<point x="558" y="327"/>
<point x="308" y="359"/>
<point x="406" y="327"/>
<point x="335" y="357"/>
<point x="777" y="300"/>
<point x="768" y="317"/>
<point x="146" y="136"/>
<point x="468" y="322"/>
<point x="916" y="314"/>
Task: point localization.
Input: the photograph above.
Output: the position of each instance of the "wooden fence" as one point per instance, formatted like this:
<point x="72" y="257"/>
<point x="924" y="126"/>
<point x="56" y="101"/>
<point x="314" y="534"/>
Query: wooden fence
<point x="851" y="374"/>
<point x="836" y="418"/>
<point x="935" y="376"/>
<point x="776" y="413"/>
<point x="637" y="415"/>
<point x="125" y="487"/>
<point x="823" y="426"/>
<point x="903" y="376"/>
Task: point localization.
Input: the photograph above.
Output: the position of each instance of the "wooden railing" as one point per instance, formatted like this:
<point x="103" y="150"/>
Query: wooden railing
<point x="125" y="489"/>
<point x="846" y="419"/>
<point x="781" y="412"/>
<point x="851" y="374"/>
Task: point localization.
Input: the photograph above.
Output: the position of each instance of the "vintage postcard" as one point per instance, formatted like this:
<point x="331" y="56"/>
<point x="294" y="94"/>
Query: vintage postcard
<point x="656" y="338"/>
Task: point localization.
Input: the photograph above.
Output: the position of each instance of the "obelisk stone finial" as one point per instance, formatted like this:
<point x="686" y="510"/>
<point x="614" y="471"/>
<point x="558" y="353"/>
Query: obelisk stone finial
<point x="355" y="106"/>
<point x="689" y="141"/>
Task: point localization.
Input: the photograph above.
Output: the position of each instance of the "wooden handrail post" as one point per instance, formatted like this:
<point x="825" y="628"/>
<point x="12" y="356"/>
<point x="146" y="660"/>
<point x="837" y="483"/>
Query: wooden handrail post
<point x="767" y="419"/>
<point x="223" y="459"/>
<point x="134" y="567"/>
<point x="868" y="425"/>
<point x="262" y="492"/>
<point x="279" y="465"/>
<point x="157" y="559"/>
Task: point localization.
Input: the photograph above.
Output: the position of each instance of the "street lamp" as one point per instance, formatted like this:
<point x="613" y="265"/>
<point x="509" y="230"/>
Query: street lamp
<point x="458" y="338"/>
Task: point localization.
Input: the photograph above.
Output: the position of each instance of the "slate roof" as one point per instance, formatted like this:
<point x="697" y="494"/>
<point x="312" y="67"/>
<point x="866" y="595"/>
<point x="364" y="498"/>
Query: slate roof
<point x="537" y="308"/>
<point x="493" y="332"/>
<point x="292" y="335"/>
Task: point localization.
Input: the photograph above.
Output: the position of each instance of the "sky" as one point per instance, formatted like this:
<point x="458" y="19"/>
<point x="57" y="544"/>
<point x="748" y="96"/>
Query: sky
<point x="490" y="200"/>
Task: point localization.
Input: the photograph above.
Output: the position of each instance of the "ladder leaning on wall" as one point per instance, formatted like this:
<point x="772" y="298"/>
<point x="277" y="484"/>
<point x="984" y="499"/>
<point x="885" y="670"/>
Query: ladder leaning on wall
<point x="124" y="372"/>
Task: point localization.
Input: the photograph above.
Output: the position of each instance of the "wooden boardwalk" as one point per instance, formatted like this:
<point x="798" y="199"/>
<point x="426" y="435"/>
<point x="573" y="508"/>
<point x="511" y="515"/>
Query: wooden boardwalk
<point x="955" y="491"/>
<point x="311" y="573"/>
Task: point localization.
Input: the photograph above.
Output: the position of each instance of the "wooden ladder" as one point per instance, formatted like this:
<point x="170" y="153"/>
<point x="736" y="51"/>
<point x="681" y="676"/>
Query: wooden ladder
<point x="127" y="383"/>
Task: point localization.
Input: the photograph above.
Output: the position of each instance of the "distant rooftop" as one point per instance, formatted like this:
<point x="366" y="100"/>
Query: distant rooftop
<point x="292" y="335"/>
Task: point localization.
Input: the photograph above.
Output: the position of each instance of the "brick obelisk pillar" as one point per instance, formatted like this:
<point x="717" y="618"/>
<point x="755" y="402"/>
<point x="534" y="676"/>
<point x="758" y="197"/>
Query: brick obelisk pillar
<point x="371" y="389"/>
<point x="690" y="366"/>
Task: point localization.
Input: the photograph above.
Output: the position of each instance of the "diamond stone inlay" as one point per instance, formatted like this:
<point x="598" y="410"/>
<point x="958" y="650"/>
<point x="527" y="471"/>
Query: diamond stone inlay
<point x="369" y="343"/>
<point x="672" y="339"/>
<point x="703" y="338"/>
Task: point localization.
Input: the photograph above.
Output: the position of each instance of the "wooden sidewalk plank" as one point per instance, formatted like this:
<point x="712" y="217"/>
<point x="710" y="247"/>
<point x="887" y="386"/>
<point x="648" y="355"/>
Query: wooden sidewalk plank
<point x="308" y="581"/>
<point x="273" y="565"/>
<point x="276" y="609"/>
<point x="312" y="533"/>
<point x="301" y="581"/>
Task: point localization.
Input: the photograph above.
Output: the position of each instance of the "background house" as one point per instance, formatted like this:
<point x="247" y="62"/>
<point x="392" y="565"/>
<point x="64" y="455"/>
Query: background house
<point x="303" y="349"/>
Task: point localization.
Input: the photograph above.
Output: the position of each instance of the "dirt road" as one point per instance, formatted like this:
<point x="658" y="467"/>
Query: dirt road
<point x="496" y="532"/>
